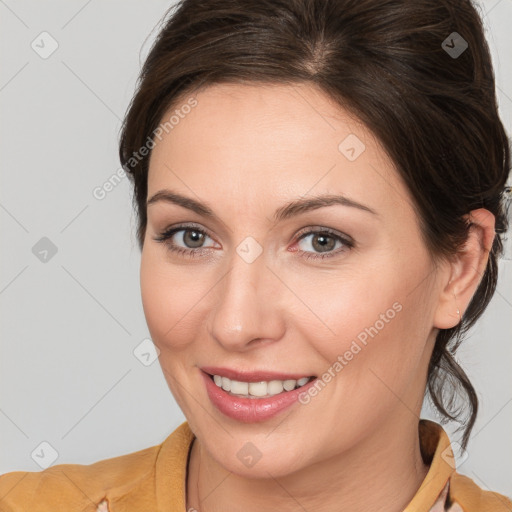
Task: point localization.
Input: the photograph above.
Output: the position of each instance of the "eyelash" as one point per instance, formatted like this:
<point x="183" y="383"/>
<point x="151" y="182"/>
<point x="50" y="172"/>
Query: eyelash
<point x="167" y="234"/>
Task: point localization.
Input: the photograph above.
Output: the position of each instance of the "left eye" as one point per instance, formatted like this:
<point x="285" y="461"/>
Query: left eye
<point x="325" y="242"/>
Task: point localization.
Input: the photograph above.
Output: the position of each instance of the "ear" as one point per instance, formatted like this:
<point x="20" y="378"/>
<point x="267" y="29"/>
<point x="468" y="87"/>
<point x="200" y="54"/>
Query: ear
<point x="466" y="270"/>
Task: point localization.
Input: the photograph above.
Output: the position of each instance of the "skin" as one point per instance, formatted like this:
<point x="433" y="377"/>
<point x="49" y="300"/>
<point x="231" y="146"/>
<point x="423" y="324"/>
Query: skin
<point x="246" y="150"/>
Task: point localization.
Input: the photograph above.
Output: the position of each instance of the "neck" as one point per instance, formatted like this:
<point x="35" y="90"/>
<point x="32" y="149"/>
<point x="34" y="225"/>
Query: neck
<point x="383" y="473"/>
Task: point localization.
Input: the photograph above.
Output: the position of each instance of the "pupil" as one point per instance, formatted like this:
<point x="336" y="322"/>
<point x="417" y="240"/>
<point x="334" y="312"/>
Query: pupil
<point x="193" y="237"/>
<point x="324" y="242"/>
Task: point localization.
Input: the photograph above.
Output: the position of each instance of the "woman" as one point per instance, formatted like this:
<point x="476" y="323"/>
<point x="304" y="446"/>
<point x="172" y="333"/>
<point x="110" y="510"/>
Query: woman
<point x="319" y="185"/>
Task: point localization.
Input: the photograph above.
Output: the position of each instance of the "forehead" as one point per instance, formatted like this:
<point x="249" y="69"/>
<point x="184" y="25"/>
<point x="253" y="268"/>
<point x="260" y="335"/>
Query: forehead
<point x="250" y="141"/>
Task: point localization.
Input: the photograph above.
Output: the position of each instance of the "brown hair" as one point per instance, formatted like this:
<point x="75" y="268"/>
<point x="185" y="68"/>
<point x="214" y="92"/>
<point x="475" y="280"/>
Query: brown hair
<point x="392" y="64"/>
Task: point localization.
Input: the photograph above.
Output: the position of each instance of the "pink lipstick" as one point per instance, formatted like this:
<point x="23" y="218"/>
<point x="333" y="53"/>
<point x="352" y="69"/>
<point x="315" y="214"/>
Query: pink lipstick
<point x="251" y="410"/>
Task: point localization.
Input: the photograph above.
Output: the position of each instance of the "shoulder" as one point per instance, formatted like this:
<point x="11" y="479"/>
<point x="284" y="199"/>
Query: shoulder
<point x="76" y="485"/>
<point x="142" y="480"/>
<point x="472" y="498"/>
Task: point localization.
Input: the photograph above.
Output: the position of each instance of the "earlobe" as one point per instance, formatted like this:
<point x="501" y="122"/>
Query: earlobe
<point x="466" y="270"/>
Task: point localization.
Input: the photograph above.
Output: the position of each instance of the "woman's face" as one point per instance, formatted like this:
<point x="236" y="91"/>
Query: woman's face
<point x="250" y="291"/>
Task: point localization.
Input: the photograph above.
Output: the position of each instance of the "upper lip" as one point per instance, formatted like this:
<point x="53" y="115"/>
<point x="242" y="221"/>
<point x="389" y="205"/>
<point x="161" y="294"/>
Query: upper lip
<point x="252" y="376"/>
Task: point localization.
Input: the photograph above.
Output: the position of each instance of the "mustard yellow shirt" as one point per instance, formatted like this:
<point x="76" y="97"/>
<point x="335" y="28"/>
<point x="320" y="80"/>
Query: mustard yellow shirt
<point x="154" y="480"/>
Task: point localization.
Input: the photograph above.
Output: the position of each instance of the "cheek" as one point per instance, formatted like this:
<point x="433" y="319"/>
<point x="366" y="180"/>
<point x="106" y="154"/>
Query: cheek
<point x="346" y="304"/>
<point x="373" y="327"/>
<point x="170" y="297"/>
<point x="368" y="335"/>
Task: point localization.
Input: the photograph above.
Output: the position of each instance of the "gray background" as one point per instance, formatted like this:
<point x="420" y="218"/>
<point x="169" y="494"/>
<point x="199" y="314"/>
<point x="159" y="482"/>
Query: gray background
<point x="70" y="325"/>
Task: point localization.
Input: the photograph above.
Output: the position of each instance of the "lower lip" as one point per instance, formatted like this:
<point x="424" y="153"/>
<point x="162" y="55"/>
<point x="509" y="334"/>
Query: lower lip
<point x="251" y="410"/>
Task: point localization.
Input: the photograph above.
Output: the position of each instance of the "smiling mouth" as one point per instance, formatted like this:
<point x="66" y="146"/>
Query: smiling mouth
<point x="261" y="389"/>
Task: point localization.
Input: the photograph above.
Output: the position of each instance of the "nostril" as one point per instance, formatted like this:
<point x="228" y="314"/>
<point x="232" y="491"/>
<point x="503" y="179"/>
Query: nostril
<point x="103" y="506"/>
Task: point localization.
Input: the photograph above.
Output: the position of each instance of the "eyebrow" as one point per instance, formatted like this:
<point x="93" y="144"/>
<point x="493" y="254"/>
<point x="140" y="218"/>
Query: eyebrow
<point x="291" y="209"/>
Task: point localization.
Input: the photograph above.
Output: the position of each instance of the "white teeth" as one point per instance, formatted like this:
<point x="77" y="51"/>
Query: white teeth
<point x="289" y="384"/>
<point x="275" y="386"/>
<point x="239" y="388"/>
<point x="226" y="384"/>
<point x="302" y="381"/>
<point x="258" y="389"/>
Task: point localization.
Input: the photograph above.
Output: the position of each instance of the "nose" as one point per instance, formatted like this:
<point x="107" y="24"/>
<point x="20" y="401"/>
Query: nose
<point x="248" y="306"/>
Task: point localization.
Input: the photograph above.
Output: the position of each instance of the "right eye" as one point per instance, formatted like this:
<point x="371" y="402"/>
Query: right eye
<point x="192" y="239"/>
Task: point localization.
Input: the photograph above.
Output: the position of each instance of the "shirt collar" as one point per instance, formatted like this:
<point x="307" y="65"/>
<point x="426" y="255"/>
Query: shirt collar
<point x="171" y="470"/>
<point x="436" y="450"/>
